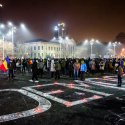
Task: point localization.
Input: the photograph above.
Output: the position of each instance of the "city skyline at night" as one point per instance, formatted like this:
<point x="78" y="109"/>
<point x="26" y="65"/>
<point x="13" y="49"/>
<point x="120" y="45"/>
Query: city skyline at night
<point x="97" y="19"/>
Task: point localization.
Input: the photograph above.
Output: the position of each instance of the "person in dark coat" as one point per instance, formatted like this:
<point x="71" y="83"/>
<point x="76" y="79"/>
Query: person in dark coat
<point x="57" y="68"/>
<point x="120" y="73"/>
<point x="34" y="71"/>
<point x="11" y="67"/>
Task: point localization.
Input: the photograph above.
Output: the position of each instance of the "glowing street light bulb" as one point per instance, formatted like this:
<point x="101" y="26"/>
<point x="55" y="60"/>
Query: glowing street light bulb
<point x="63" y="24"/>
<point x="67" y="38"/>
<point x="10" y="23"/>
<point x="86" y="41"/>
<point x="59" y="24"/>
<point x="22" y="25"/>
<point x="56" y="28"/>
<point x="1" y="5"/>
<point x="91" y="43"/>
<point x="2" y="26"/>
<point x="110" y="42"/>
<point x="92" y="40"/>
<point x="97" y="41"/>
<point x="119" y="43"/>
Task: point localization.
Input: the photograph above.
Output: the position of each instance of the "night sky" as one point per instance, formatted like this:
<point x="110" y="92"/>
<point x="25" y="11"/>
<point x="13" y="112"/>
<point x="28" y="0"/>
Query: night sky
<point x="100" y="19"/>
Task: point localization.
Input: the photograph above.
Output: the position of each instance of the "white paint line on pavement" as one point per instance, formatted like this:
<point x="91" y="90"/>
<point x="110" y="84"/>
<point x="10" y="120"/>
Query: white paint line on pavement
<point x="91" y="82"/>
<point x="87" y="90"/>
<point x="43" y="106"/>
<point x="70" y="86"/>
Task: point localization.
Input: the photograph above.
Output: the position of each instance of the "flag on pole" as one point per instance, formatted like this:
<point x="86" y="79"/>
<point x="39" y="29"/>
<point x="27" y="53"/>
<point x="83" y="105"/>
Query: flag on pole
<point x="4" y="66"/>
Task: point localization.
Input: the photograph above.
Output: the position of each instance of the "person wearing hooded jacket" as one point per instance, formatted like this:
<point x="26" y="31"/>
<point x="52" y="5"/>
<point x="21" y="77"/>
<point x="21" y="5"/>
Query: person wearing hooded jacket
<point x="83" y="69"/>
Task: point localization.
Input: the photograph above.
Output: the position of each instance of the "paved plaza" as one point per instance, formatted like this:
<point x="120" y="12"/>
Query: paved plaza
<point x="62" y="102"/>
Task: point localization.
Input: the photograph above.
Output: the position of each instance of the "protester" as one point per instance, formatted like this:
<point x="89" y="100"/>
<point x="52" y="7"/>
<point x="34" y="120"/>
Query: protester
<point x="76" y="66"/>
<point x="24" y="65"/>
<point x="34" y="72"/>
<point x="83" y="69"/>
<point x="52" y="68"/>
<point x="11" y="67"/>
<point x="120" y="73"/>
<point x="57" y="68"/>
<point x="93" y="67"/>
<point x="70" y="67"/>
<point x="102" y="66"/>
<point x="40" y="68"/>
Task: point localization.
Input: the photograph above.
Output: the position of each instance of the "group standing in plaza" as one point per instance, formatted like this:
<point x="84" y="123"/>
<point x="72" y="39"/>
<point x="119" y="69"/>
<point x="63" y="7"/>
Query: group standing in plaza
<point x="73" y="68"/>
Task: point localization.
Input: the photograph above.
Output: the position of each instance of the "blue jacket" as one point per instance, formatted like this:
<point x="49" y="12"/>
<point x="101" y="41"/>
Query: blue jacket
<point x="83" y="67"/>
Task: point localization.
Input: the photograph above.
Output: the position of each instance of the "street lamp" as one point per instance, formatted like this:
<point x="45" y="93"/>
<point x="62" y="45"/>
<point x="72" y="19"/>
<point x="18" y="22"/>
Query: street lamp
<point x="114" y="47"/>
<point x="61" y="27"/>
<point x="1" y="5"/>
<point x="56" y="28"/>
<point x="60" y="41"/>
<point x="63" y="32"/>
<point x="13" y="29"/>
<point x="2" y="26"/>
<point x="91" y="43"/>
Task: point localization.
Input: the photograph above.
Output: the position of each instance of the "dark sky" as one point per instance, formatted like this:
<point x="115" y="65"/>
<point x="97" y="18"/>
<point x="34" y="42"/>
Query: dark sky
<point x="100" y="19"/>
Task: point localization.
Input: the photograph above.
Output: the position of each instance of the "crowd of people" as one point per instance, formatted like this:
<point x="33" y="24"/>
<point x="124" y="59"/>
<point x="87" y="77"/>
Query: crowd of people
<point x="74" y="68"/>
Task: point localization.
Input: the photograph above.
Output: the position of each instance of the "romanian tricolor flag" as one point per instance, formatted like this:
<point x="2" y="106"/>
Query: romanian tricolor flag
<point x="4" y="66"/>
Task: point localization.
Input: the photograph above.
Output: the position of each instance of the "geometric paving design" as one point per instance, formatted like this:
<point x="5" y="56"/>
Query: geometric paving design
<point x="43" y="106"/>
<point x="107" y="84"/>
<point x="50" y="95"/>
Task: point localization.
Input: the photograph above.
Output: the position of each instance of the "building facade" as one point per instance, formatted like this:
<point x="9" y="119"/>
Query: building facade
<point x="40" y="48"/>
<point x="5" y="48"/>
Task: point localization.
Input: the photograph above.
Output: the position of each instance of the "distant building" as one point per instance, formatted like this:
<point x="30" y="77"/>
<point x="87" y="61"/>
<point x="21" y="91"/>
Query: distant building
<point x="41" y="48"/>
<point x="5" y="46"/>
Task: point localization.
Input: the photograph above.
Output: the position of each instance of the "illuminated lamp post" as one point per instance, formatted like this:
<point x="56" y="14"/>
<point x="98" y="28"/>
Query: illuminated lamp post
<point x="114" y="47"/>
<point x="13" y="29"/>
<point x="56" y="28"/>
<point x="91" y="43"/>
<point x="2" y="26"/>
<point x="61" y="27"/>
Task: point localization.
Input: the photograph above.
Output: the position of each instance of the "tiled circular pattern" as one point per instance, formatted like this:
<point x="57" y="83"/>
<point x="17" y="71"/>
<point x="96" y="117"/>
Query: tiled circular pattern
<point x="43" y="106"/>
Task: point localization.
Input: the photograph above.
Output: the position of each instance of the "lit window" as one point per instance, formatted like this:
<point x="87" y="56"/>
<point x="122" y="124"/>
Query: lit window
<point x="38" y="54"/>
<point x="34" y="55"/>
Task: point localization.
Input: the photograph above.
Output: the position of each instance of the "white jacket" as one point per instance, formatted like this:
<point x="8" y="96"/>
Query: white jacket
<point x="52" y="66"/>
